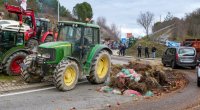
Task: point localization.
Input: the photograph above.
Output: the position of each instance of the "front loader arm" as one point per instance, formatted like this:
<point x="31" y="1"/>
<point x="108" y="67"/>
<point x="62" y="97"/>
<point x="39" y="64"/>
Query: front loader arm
<point x="20" y="12"/>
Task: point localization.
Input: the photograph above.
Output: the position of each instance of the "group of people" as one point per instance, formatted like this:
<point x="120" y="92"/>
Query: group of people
<point x="146" y="51"/>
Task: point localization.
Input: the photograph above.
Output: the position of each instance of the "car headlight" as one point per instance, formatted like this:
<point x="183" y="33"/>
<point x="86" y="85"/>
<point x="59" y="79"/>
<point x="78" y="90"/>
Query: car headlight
<point x="46" y="55"/>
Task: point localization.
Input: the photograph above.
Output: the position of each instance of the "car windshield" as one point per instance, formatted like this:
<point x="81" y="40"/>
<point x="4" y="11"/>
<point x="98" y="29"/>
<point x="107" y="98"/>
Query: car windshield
<point x="187" y="52"/>
<point x="69" y="33"/>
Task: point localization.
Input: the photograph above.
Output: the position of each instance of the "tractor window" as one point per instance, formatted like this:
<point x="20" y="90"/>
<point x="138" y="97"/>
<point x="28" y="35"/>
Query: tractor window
<point x="7" y="39"/>
<point x="19" y="39"/>
<point x="38" y="23"/>
<point x="69" y="33"/>
<point x="96" y="36"/>
<point x="28" y="21"/>
<point x="88" y="34"/>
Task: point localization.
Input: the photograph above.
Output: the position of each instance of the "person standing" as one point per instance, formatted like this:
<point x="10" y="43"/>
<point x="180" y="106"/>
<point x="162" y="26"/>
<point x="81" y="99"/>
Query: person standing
<point x="146" y="51"/>
<point x="153" y="50"/>
<point x="123" y="49"/>
<point x="120" y="49"/>
<point x="139" y="49"/>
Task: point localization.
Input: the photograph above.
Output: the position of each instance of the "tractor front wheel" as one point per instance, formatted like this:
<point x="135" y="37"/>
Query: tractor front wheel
<point x="101" y="67"/>
<point x="12" y="66"/>
<point x="26" y="75"/>
<point x="66" y="75"/>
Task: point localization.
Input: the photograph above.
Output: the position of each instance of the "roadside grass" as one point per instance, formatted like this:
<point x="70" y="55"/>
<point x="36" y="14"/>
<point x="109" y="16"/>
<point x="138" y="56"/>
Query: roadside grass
<point x="4" y="78"/>
<point x="132" y="51"/>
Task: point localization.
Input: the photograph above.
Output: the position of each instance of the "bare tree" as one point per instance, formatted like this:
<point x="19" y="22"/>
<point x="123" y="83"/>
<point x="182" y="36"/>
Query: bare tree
<point x="115" y="30"/>
<point x="101" y="21"/>
<point x="145" y="20"/>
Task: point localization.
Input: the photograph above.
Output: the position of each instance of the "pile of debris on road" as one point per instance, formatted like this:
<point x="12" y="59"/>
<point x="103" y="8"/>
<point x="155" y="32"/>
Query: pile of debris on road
<point x="137" y="79"/>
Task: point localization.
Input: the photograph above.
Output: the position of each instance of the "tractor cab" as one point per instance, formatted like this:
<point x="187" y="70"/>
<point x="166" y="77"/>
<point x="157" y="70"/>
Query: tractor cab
<point x="11" y="34"/>
<point x="82" y="36"/>
<point x="12" y="44"/>
<point x="44" y="23"/>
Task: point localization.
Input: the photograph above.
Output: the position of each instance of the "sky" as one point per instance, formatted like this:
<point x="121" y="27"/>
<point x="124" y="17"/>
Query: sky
<point x="124" y="13"/>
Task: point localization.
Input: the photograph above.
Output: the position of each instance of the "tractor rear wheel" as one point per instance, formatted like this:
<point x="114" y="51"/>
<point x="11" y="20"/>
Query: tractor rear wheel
<point x="28" y="77"/>
<point x="66" y="75"/>
<point x="100" y="69"/>
<point x="12" y="66"/>
<point x="49" y="38"/>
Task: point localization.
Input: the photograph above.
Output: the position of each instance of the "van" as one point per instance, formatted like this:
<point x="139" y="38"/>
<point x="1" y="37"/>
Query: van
<point x="180" y="56"/>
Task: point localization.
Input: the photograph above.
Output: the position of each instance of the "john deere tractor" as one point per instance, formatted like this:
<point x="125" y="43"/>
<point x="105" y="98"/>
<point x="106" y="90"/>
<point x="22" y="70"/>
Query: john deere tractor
<point x="77" y="53"/>
<point x="12" y="46"/>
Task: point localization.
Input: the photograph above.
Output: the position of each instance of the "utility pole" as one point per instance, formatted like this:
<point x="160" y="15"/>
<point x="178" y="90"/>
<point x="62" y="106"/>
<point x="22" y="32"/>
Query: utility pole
<point x="58" y="11"/>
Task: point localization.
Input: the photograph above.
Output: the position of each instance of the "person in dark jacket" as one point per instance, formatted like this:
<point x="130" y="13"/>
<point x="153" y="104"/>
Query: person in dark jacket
<point x="123" y="49"/>
<point x="146" y="51"/>
<point x="153" y="50"/>
<point x="120" y="49"/>
<point x="139" y="49"/>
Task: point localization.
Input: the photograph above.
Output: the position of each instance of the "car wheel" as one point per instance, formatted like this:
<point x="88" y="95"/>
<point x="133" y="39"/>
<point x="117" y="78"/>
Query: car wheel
<point x="173" y="64"/>
<point x="193" y="67"/>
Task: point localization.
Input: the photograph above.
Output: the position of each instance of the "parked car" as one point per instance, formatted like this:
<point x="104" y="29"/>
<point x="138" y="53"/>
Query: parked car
<point x="198" y="75"/>
<point x="180" y="56"/>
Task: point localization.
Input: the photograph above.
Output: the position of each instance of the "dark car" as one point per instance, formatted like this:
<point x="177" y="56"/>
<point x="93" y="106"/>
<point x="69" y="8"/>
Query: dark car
<point x="180" y="56"/>
<point x="198" y="75"/>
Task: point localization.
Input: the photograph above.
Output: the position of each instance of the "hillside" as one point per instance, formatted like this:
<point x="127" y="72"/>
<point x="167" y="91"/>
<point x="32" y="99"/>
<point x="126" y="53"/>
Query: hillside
<point x="187" y="27"/>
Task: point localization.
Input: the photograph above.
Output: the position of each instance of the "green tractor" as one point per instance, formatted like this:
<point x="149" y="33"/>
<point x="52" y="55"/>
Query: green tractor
<point x="77" y="53"/>
<point x="12" y="46"/>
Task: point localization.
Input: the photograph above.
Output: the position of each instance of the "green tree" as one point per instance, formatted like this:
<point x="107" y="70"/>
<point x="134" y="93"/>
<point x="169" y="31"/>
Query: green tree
<point x="82" y="11"/>
<point x="64" y="12"/>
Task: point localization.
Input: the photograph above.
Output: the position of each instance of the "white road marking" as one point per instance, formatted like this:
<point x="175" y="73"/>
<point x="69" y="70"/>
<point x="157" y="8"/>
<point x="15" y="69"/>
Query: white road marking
<point x="31" y="91"/>
<point x="25" y="92"/>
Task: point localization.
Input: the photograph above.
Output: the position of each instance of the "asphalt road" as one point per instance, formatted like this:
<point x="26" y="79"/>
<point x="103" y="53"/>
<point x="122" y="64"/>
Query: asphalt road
<point x="85" y="96"/>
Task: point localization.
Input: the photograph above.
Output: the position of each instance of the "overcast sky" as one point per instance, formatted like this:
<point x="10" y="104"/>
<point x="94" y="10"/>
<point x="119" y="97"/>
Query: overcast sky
<point x="124" y="13"/>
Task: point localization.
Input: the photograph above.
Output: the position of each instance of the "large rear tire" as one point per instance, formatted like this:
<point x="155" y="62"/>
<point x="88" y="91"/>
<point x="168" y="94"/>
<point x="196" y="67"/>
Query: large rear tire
<point x="28" y="77"/>
<point x="66" y="75"/>
<point x="12" y="67"/>
<point x="49" y="38"/>
<point x="101" y="66"/>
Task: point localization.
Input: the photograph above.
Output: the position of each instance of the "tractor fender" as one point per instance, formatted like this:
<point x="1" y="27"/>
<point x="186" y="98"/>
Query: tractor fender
<point x="45" y="35"/>
<point x="12" y="51"/>
<point x="94" y="52"/>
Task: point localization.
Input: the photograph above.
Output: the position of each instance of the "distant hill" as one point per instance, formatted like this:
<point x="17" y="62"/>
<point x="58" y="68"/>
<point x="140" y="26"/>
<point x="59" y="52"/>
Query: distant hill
<point x="187" y="27"/>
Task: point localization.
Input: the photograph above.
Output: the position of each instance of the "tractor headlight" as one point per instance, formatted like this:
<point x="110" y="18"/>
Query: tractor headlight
<point x="46" y="55"/>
